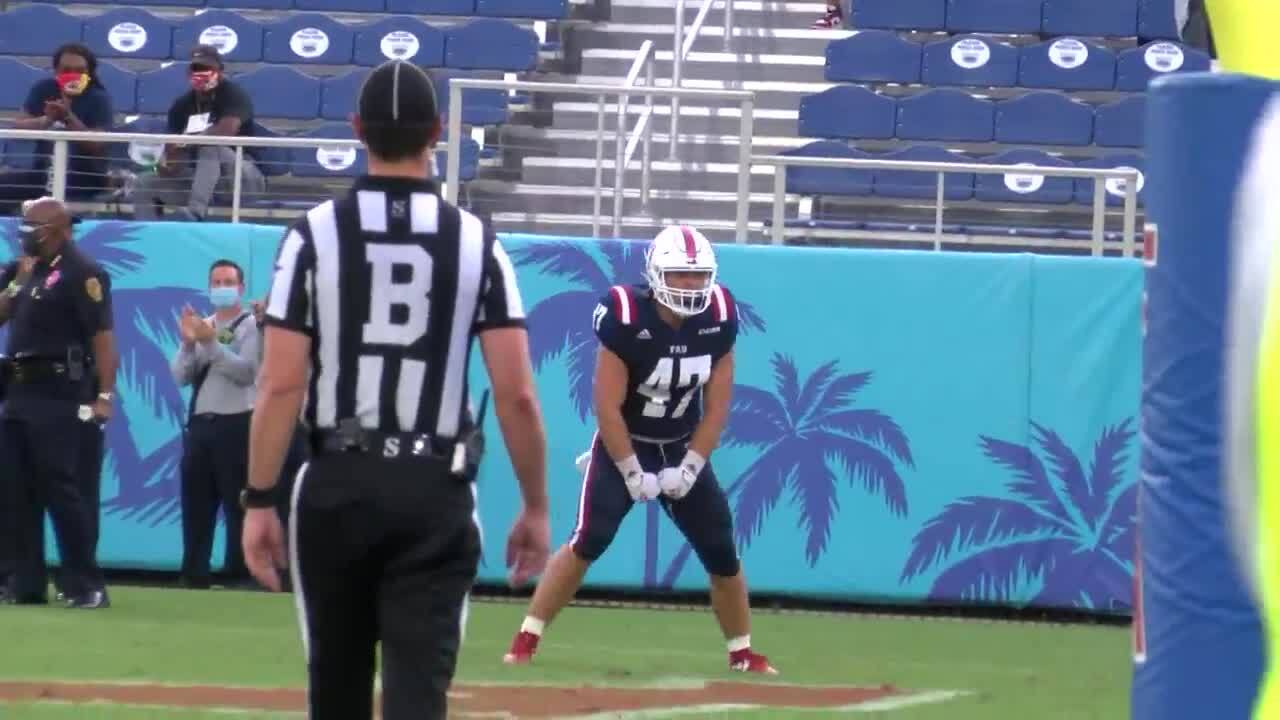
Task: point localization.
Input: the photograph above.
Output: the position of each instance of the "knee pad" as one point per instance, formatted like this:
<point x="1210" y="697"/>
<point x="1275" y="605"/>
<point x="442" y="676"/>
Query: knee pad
<point x="588" y="545"/>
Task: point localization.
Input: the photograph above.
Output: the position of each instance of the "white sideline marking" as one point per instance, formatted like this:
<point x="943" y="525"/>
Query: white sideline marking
<point x="897" y="703"/>
<point x="666" y="712"/>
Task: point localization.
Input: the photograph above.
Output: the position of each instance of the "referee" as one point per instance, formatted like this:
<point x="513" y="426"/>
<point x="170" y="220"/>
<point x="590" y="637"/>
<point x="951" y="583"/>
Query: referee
<point x="375" y="300"/>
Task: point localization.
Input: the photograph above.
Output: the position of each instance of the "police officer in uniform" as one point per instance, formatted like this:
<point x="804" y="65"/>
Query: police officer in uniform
<point x="375" y="301"/>
<point x="59" y="376"/>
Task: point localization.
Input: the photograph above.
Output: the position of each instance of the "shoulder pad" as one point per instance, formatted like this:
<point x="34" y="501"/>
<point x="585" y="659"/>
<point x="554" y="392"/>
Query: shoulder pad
<point x="623" y="304"/>
<point x="722" y="307"/>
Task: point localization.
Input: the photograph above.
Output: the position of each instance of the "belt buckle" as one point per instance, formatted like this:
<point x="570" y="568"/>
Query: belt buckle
<point x="421" y="445"/>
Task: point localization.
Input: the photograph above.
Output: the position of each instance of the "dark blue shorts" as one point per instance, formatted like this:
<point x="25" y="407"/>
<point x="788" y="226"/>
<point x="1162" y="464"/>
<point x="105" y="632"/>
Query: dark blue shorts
<point x="703" y="516"/>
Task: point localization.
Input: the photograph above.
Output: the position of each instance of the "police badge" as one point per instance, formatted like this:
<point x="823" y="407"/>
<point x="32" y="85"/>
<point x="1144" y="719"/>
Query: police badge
<point x="93" y="289"/>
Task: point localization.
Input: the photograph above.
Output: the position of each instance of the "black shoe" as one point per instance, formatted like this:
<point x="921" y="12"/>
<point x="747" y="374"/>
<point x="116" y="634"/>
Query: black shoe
<point x="95" y="600"/>
<point x="7" y="598"/>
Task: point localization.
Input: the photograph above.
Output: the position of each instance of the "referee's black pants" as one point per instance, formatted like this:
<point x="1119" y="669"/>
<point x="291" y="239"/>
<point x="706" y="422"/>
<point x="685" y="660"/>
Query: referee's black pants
<point x="215" y="467"/>
<point x="381" y="551"/>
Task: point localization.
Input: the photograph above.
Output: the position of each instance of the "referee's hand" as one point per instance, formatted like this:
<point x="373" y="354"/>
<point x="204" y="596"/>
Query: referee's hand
<point x="263" y="544"/>
<point x="528" y="546"/>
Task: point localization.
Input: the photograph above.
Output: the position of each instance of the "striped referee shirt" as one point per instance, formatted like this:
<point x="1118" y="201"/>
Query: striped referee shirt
<point x="392" y="284"/>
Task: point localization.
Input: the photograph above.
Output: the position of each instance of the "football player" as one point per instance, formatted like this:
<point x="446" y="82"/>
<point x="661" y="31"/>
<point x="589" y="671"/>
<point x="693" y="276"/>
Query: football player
<point x="663" y="379"/>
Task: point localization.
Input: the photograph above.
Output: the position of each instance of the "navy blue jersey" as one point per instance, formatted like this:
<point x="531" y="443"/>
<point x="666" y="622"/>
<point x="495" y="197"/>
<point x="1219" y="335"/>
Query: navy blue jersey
<point x="666" y="366"/>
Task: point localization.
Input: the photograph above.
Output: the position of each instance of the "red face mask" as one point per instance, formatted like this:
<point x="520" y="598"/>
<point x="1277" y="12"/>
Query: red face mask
<point x="72" y="83"/>
<point x="204" y="80"/>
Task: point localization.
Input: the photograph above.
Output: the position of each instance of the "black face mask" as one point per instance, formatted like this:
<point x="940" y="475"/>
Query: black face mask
<point x="29" y="239"/>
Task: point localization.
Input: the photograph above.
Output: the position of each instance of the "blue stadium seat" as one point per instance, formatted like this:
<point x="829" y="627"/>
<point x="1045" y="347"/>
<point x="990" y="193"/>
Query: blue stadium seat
<point x="847" y="111"/>
<point x="399" y="38"/>
<point x="461" y="8"/>
<point x="1095" y="18"/>
<point x="126" y="155"/>
<point x="157" y="89"/>
<point x="251" y="4"/>
<point x="1115" y="188"/>
<point x="971" y="61"/>
<point x="873" y="56"/>
<point x="36" y="30"/>
<point x="1120" y="123"/>
<point x="272" y="161"/>
<point x="328" y="162"/>
<point x="945" y="114"/>
<point x="309" y="38"/>
<point x="238" y="38"/>
<point x="479" y="107"/>
<point x="1023" y="187"/>
<point x="1067" y="64"/>
<point x="1044" y="118"/>
<point x="1136" y="66"/>
<point x="18" y="79"/>
<point x="900" y="14"/>
<point x="924" y="184"/>
<point x="129" y="32"/>
<point x="282" y="92"/>
<point x="540" y="9"/>
<point x="491" y="45"/>
<point x="121" y="85"/>
<point x="361" y="6"/>
<point x="1156" y="20"/>
<point x="338" y="94"/>
<point x="994" y="16"/>
<point x="828" y="181"/>
<point x="470" y="162"/>
<point x="18" y="154"/>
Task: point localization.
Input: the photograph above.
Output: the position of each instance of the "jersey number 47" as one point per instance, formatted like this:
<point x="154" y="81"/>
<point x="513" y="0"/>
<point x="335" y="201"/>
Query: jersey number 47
<point x="689" y="374"/>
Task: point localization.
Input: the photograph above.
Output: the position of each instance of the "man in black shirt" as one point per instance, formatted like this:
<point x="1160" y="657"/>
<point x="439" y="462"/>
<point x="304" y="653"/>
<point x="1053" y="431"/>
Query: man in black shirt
<point x="73" y="99"/>
<point x="59" y="379"/>
<point x="187" y="176"/>
<point x="375" y="301"/>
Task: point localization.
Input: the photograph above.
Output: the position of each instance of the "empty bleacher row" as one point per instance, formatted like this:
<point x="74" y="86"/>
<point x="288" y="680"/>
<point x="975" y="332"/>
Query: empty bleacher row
<point x="1147" y="19"/>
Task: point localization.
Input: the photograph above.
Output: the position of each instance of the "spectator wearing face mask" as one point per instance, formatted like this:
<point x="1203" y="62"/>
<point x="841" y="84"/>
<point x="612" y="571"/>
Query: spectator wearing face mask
<point x="188" y="176"/>
<point x="73" y="99"/>
<point x="219" y="359"/>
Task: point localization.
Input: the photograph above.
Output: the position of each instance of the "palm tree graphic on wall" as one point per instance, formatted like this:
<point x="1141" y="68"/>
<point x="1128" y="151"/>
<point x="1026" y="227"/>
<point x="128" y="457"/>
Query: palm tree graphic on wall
<point x="803" y="430"/>
<point x="145" y="320"/>
<point x="561" y="325"/>
<point x="1069" y="533"/>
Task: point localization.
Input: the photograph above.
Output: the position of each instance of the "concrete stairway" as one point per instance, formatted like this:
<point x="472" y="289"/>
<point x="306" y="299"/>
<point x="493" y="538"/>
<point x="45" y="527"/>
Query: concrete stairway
<point x="547" y="182"/>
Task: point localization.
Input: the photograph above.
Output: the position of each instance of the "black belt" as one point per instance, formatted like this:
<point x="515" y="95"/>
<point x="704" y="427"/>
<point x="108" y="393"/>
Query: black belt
<point x="381" y="444"/>
<point x="211" y="416"/>
<point x="35" y="370"/>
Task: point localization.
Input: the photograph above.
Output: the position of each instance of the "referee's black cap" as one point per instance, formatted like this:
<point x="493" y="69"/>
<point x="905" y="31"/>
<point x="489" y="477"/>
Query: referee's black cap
<point x="398" y="94"/>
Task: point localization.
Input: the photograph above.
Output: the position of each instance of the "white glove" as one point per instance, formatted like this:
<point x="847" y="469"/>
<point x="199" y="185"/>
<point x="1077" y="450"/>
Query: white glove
<point x="676" y="482"/>
<point x="640" y="484"/>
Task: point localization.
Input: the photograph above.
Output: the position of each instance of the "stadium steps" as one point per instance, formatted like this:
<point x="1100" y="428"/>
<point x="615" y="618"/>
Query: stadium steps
<point x="799" y="40"/>
<point x="711" y="64"/>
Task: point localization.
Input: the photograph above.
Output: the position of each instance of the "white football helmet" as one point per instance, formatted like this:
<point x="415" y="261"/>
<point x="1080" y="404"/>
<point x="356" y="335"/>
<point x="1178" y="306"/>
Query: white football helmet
<point x="680" y="249"/>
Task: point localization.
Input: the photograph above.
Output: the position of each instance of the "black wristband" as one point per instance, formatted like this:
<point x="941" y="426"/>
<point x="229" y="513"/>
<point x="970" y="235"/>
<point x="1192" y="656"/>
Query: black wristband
<point x="252" y="497"/>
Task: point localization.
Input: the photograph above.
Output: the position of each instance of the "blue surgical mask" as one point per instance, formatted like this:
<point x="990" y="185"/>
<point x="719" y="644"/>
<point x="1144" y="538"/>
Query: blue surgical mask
<point x="224" y="296"/>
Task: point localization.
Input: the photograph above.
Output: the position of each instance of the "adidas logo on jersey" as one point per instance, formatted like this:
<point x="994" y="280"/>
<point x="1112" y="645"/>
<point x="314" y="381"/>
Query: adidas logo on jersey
<point x="644" y="335"/>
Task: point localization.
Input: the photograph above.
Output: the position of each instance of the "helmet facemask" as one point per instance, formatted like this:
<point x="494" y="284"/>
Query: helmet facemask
<point x="685" y="303"/>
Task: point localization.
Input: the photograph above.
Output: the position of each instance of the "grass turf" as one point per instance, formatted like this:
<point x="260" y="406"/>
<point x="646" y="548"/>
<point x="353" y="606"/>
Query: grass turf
<point x="244" y="638"/>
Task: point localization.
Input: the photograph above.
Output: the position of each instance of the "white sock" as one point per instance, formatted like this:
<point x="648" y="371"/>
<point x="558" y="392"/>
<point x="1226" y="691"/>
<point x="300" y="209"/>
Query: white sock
<point x="740" y="643"/>
<point x="533" y="626"/>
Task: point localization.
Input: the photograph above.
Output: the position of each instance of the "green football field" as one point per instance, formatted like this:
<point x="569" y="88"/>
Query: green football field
<point x="595" y="662"/>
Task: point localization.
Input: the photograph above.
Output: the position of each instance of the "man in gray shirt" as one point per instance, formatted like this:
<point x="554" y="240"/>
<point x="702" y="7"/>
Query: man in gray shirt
<point x="219" y="357"/>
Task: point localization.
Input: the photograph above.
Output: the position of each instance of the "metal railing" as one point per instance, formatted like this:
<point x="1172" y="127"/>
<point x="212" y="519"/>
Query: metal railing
<point x="643" y="129"/>
<point x="61" y="138"/>
<point x="681" y="44"/>
<point x="745" y="99"/>
<point x="780" y="163"/>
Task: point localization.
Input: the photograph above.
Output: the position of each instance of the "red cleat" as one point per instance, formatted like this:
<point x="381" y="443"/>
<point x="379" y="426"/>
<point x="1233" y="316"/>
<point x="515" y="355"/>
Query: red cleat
<point x="522" y="649"/>
<point x="750" y="662"/>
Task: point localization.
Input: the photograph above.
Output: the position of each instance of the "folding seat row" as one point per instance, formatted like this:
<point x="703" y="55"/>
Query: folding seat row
<point x="1037" y="118"/>
<point x="1004" y="188"/>
<point x="300" y="39"/>
<point x="1148" y="19"/>
<point x="277" y="92"/>
<point x="531" y="9"/>
<point x="1064" y="63"/>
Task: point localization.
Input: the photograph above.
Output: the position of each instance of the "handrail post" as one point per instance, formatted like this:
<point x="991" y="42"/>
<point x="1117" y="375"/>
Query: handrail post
<point x="453" y="163"/>
<point x="595" y="212"/>
<point x="619" y="169"/>
<point x="646" y="154"/>
<point x="1099" y="213"/>
<point x="236" y="185"/>
<point x="728" y="24"/>
<point x="60" y="151"/>
<point x="779" y="202"/>
<point x="1130" y="213"/>
<point x="745" y="131"/>
<point x="677" y="62"/>
<point x="937" y="216"/>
